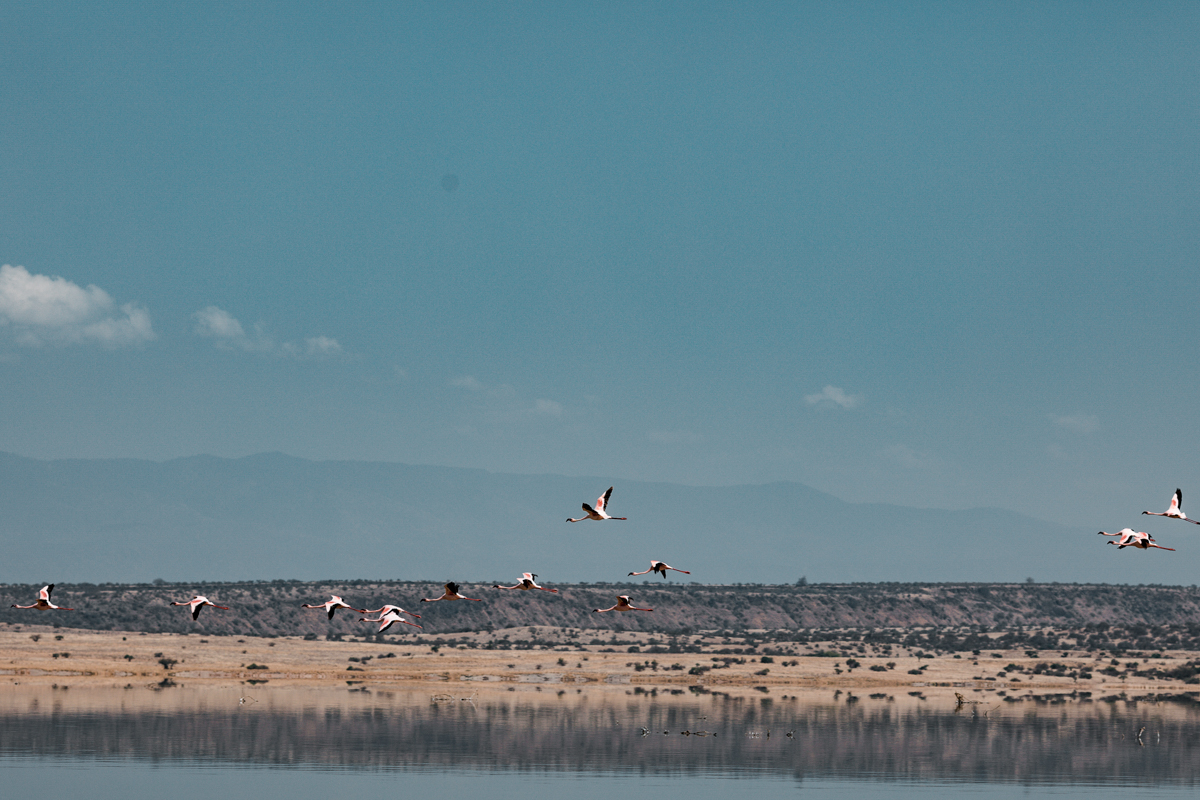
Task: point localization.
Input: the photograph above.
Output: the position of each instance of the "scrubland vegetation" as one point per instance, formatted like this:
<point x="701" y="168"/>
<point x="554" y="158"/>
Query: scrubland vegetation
<point x="734" y="621"/>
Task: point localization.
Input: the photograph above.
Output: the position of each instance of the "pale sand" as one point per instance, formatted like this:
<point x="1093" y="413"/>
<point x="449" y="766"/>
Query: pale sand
<point x="98" y="658"/>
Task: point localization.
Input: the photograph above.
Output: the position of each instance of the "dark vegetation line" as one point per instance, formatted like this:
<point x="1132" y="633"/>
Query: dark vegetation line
<point x="937" y="617"/>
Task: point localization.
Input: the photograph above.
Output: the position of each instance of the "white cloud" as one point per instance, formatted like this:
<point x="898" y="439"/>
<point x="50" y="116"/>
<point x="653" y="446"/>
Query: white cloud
<point x="220" y="325"/>
<point x="832" y="396"/>
<point x="548" y="407"/>
<point x="501" y="404"/>
<point x="44" y="309"/>
<point x="134" y="327"/>
<point x="673" y="437"/>
<point x="322" y="346"/>
<point x="1078" y="423"/>
<point x="46" y="302"/>
<point x="468" y="382"/>
<point x="225" y="330"/>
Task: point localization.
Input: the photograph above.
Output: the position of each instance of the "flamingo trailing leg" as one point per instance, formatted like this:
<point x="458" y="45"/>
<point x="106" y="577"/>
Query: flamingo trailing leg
<point x="1175" y="511"/>
<point x="334" y="604"/>
<point x="389" y="619"/>
<point x="1131" y="538"/>
<point x="528" y="581"/>
<point x="661" y="568"/>
<point x="600" y="512"/>
<point x="198" y="602"/>
<point x="623" y="604"/>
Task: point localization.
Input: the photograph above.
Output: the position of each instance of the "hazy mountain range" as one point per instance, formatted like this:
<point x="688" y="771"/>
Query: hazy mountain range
<point x="273" y="516"/>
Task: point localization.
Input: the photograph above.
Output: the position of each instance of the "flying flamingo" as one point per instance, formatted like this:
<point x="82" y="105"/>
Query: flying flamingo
<point x="43" y="602"/>
<point x="198" y="602"/>
<point x="389" y="609"/>
<point x="334" y="604"/>
<point x="598" y="513"/>
<point x="1142" y="541"/>
<point x="388" y="620"/>
<point x="1127" y="535"/>
<point x="526" y="583"/>
<point x="1132" y="538"/>
<point x="660" y="567"/>
<point x="623" y="604"/>
<point x="1176" y="509"/>
<point x="451" y="594"/>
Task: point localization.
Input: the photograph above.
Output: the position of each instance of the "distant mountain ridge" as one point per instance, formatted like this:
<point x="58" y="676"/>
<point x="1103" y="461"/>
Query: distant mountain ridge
<point x="272" y="516"/>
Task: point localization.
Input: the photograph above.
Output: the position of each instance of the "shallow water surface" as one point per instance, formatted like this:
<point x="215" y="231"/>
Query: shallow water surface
<point x="202" y="742"/>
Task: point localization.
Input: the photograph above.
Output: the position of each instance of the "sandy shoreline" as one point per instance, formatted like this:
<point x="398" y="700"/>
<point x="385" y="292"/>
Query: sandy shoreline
<point x="45" y="655"/>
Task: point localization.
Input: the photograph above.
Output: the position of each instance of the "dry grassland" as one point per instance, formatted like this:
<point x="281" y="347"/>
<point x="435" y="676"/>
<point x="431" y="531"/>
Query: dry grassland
<point x="35" y="655"/>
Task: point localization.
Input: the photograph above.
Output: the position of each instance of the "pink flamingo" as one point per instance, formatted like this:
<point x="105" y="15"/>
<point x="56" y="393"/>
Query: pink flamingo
<point x="623" y="604"/>
<point x="451" y="594"/>
<point x="334" y="604"/>
<point x="660" y="567"/>
<point x="1132" y="538"/>
<point x="1175" y="511"/>
<point x="43" y="602"/>
<point x="389" y="619"/>
<point x="1140" y="540"/>
<point x="198" y="602"/>
<point x="390" y="608"/>
<point x="600" y="512"/>
<point x="526" y="583"/>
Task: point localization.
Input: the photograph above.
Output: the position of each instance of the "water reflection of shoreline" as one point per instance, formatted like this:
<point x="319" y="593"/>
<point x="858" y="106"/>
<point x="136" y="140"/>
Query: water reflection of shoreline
<point x="1061" y="739"/>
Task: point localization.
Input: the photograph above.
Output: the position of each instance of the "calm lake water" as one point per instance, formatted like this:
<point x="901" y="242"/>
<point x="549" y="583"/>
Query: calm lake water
<point x="185" y="742"/>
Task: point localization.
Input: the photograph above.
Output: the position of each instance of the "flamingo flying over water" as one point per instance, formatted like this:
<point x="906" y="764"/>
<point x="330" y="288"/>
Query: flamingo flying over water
<point x="451" y="594"/>
<point x="334" y="604"/>
<point x="43" y="602"/>
<point x="527" y="582"/>
<point x="600" y="512"/>
<point x="660" y="567"/>
<point x="623" y="604"/>
<point x="1175" y="511"/>
<point x="388" y="620"/>
<point x="198" y="602"/>
<point x="1132" y="538"/>
<point x="389" y="609"/>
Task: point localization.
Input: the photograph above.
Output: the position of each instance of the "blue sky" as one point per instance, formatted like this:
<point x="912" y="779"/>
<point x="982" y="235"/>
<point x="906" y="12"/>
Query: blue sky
<point x="929" y="254"/>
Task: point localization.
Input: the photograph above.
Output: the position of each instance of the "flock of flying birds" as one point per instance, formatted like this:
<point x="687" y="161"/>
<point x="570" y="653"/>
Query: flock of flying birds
<point x="1144" y="541"/>
<point x="391" y="614"/>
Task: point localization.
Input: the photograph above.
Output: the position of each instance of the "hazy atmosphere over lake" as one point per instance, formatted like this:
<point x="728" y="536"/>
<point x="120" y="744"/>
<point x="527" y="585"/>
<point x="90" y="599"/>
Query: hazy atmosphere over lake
<point x="922" y="255"/>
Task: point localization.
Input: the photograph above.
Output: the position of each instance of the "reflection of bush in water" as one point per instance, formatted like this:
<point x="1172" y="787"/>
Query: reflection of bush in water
<point x="1073" y="736"/>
